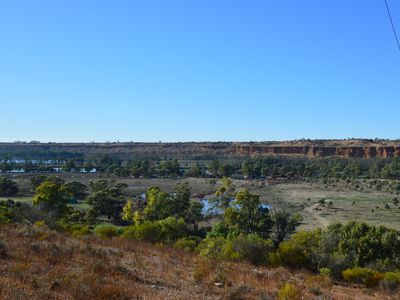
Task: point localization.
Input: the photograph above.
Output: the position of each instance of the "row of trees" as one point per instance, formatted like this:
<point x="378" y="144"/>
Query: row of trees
<point x="259" y="167"/>
<point x="321" y="168"/>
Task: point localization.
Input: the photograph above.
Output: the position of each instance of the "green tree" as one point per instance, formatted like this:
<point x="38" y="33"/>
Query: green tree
<point x="224" y="193"/>
<point x="106" y="200"/>
<point x="194" y="214"/>
<point x="195" y="171"/>
<point x="284" y="224"/>
<point x="180" y="200"/>
<point x="213" y="167"/>
<point x="98" y="185"/>
<point x="8" y="187"/>
<point x="226" y="170"/>
<point x="247" y="215"/>
<point x="76" y="189"/>
<point x="158" y="206"/>
<point x="37" y="180"/>
<point x="127" y="211"/>
<point x="52" y="197"/>
<point x="161" y="205"/>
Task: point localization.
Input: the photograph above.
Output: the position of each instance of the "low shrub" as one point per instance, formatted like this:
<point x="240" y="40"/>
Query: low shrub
<point x="39" y="224"/>
<point x="81" y="231"/>
<point x="391" y="280"/>
<point x="325" y="272"/>
<point x="148" y="231"/>
<point x="368" y="277"/>
<point x="274" y="259"/>
<point x="106" y="231"/>
<point x="299" y="251"/>
<point x="188" y="243"/>
<point x="288" y="292"/>
<point x="164" y="231"/>
<point x="5" y="216"/>
<point x="251" y="248"/>
<point x="212" y="247"/>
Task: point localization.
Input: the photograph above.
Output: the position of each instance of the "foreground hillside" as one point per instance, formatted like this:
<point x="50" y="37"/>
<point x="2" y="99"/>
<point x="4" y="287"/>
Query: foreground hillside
<point x="38" y="263"/>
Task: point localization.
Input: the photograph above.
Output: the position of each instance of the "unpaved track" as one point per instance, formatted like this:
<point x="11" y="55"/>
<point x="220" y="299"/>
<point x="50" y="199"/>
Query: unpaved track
<point x="318" y="218"/>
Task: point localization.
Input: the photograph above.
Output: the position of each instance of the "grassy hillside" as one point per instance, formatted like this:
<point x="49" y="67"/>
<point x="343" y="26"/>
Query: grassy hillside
<point x="38" y="263"/>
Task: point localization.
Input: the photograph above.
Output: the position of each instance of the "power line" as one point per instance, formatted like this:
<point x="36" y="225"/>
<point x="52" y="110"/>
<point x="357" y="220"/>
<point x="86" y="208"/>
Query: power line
<point x="391" y="22"/>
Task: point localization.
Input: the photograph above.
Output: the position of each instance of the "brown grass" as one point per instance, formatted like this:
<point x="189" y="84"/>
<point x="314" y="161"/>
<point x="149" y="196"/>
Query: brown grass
<point x="42" y="264"/>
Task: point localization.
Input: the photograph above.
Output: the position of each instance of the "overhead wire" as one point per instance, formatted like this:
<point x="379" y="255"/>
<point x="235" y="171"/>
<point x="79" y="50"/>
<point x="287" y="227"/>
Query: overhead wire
<point x="391" y="22"/>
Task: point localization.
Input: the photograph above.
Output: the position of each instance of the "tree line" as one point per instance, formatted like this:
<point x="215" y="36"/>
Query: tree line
<point x="257" y="167"/>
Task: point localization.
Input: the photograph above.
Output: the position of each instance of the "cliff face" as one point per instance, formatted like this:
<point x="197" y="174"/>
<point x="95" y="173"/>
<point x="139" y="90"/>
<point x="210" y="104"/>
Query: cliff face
<point x="206" y="150"/>
<point x="322" y="151"/>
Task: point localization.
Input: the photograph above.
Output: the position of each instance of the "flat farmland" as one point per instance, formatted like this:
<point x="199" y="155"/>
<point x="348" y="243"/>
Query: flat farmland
<point x="322" y="204"/>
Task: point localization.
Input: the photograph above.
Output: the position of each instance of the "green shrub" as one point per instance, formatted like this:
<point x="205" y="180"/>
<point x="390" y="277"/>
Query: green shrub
<point x="391" y="280"/>
<point x="392" y="277"/>
<point x="288" y="292"/>
<point x="81" y="230"/>
<point x="5" y="216"/>
<point x="106" y="231"/>
<point x="212" y="248"/>
<point x="172" y="229"/>
<point x="164" y="231"/>
<point x="300" y="250"/>
<point x="368" y="277"/>
<point x="251" y="248"/>
<point x="274" y="259"/>
<point x="325" y="272"/>
<point x="187" y="243"/>
<point x="147" y="231"/>
<point x="39" y="224"/>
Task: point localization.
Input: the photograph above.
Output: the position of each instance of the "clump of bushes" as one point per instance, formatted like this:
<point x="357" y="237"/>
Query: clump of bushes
<point x="165" y="231"/>
<point x="188" y="243"/>
<point x="372" y="278"/>
<point x="288" y="292"/>
<point x="5" y="215"/>
<point x="81" y="230"/>
<point x="299" y="250"/>
<point x="391" y="280"/>
<point x="251" y="248"/>
<point x="368" y="277"/>
<point x="325" y="272"/>
<point x="106" y="231"/>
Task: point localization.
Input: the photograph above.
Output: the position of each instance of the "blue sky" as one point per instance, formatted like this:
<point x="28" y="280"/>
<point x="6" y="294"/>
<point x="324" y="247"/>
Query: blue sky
<point x="198" y="70"/>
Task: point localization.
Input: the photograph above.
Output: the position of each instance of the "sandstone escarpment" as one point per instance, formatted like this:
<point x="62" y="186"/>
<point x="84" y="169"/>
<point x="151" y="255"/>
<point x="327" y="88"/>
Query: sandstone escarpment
<point x="353" y="148"/>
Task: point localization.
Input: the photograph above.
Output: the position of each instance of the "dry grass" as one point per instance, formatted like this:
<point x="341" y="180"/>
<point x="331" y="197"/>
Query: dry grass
<point x="37" y="263"/>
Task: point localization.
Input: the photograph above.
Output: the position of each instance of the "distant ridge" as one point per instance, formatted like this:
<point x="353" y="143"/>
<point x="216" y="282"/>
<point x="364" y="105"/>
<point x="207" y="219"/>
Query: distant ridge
<point x="351" y="148"/>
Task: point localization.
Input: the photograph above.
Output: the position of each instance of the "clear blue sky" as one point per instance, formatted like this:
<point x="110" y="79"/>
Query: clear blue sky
<point x="198" y="70"/>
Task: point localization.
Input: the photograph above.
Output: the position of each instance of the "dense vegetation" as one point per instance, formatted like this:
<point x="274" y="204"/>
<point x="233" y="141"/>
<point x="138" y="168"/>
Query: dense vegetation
<point x="257" y="167"/>
<point x="246" y="230"/>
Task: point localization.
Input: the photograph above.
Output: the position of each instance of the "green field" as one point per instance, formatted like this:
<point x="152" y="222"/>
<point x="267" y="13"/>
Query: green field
<point x="321" y="205"/>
